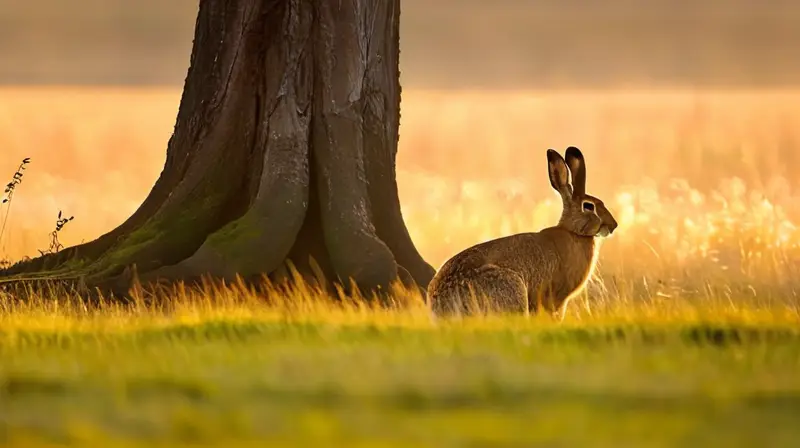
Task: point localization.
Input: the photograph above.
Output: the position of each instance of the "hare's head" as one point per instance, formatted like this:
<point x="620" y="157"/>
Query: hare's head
<point x="583" y="214"/>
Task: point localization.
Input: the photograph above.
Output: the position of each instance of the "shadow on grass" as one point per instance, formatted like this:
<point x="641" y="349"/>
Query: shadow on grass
<point x="490" y="395"/>
<point x="716" y="335"/>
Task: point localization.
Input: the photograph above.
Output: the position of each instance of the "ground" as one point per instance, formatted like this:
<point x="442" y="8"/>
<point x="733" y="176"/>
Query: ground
<point x="229" y="368"/>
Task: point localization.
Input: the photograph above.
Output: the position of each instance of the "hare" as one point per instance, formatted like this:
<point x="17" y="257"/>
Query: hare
<point x="530" y="271"/>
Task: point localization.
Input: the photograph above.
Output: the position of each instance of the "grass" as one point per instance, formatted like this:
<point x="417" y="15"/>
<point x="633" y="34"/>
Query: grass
<point x="225" y="366"/>
<point x="688" y="334"/>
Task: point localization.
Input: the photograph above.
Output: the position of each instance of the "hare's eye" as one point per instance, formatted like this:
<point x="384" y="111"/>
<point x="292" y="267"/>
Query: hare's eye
<point x="588" y="206"/>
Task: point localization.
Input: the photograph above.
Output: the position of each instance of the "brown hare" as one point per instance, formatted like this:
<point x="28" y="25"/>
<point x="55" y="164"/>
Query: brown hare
<point x="530" y="271"/>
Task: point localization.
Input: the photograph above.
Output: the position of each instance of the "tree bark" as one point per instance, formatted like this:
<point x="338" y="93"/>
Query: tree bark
<point x="284" y="149"/>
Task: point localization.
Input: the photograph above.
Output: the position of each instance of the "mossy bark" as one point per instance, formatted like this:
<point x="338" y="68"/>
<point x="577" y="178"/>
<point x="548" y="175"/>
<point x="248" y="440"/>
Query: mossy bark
<point x="284" y="150"/>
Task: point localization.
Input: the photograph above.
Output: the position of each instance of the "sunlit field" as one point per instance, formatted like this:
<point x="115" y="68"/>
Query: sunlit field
<point x="688" y="334"/>
<point x="701" y="182"/>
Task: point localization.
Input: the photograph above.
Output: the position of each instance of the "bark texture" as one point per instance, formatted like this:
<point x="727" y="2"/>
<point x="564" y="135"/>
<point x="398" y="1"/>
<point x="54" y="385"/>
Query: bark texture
<point x="284" y="149"/>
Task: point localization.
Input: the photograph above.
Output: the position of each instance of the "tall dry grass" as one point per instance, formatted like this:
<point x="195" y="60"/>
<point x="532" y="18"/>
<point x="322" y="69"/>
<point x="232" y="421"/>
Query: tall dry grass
<point x="701" y="182"/>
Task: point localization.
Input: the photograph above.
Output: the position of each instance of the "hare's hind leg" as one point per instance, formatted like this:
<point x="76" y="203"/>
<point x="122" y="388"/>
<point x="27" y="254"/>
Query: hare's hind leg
<point x="500" y="290"/>
<point x="486" y="289"/>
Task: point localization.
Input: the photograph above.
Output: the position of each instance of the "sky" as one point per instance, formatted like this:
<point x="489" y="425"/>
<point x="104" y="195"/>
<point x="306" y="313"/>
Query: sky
<point x="502" y="44"/>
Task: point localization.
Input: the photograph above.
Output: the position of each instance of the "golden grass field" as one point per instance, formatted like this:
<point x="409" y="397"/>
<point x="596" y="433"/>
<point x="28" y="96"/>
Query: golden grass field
<point x="699" y="181"/>
<point x="688" y="334"/>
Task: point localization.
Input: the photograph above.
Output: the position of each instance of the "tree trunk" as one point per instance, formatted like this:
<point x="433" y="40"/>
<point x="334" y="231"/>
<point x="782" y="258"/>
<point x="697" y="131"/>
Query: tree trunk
<point x="284" y="150"/>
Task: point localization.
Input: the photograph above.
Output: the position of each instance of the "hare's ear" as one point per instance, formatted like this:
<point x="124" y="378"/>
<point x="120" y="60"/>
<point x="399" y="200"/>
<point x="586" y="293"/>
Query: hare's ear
<point x="559" y="174"/>
<point x="577" y="167"/>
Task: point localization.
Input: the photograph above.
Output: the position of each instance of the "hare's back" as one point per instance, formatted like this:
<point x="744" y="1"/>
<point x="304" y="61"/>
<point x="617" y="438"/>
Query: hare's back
<point x="515" y="246"/>
<point x="507" y="251"/>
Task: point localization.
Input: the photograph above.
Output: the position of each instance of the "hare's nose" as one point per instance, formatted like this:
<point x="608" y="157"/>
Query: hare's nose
<point x="612" y="226"/>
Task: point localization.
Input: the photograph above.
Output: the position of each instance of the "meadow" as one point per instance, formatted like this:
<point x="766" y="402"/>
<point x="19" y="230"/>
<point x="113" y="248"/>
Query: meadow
<point x="688" y="334"/>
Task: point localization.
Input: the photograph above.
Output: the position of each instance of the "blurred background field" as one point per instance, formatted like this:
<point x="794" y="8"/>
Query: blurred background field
<point x="502" y="44"/>
<point x="700" y="180"/>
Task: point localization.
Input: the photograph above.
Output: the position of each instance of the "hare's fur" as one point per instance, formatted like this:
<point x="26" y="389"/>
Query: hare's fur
<point x="528" y="272"/>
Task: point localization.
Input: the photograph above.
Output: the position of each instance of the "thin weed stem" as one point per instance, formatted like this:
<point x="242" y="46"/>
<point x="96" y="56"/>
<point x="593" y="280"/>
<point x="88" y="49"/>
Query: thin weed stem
<point x="8" y="194"/>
